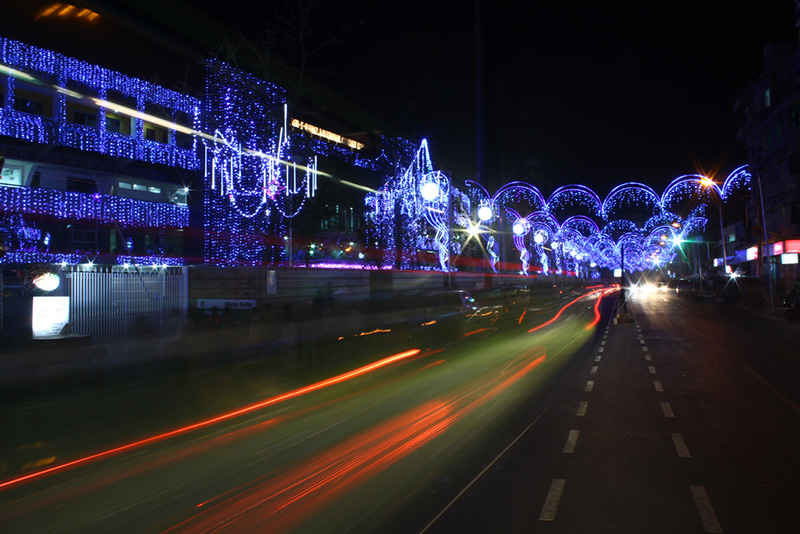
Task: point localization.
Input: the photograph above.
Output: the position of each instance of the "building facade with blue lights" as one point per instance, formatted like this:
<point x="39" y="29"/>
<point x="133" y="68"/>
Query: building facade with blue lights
<point x="104" y="168"/>
<point x="104" y="173"/>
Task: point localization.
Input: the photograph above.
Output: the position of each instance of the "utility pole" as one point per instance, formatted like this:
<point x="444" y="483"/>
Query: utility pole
<point x="479" y="96"/>
<point x="765" y="258"/>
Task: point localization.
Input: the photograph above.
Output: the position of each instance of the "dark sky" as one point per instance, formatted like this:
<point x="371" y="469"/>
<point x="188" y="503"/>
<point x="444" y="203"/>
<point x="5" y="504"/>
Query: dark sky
<point x="593" y="93"/>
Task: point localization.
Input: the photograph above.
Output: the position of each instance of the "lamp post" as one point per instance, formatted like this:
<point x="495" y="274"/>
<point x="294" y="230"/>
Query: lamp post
<point x="708" y="182"/>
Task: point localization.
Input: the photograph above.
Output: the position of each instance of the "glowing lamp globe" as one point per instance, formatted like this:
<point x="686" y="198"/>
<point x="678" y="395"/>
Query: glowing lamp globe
<point x="485" y="213"/>
<point x="538" y="238"/>
<point x="429" y="191"/>
<point x="518" y="228"/>
<point x="47" y="281"/>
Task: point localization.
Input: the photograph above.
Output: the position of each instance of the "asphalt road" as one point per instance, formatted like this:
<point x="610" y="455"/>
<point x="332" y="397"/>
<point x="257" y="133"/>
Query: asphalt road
<point x="683" y="419"/>
<point x="378" y="448"/>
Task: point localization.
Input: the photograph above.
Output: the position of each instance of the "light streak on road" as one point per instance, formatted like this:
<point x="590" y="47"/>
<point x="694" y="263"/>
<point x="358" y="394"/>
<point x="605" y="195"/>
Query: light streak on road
<point x="280" y="502"/>
<point x="479" y="330"/>
<point x="265" y="472"/>
<point x="557" y="315"/>
<point x="208" y="422"/>
<point x="596" y="320"/>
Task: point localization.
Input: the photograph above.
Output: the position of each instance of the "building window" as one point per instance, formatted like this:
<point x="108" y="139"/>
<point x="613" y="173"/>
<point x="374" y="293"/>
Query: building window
<point x="84" y="119"/>
<point x="113" y="125"/>
<point x="794" y="163"/>
<point x="116" y="123"/>
<point x="155" y="133"/>
<point x="80" y="185"/>
<point x="83" y="239"/>
<point x="33" y="103"/>
<point x="767" y="99"/>
<point x="795" y="211"/>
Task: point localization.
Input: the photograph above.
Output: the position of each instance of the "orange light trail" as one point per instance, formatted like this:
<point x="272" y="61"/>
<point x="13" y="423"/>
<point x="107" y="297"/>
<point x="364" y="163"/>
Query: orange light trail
<point x="476" y="331"/>
<point x="208" y="422"/>
<point x="561" y="311"/>
<point x="522" y="316"/>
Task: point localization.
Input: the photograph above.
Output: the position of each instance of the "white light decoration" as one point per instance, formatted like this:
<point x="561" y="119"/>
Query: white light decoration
<point x="485" y="213"/>
<point x="518" y="228"/>
<point x="429" y="191"/>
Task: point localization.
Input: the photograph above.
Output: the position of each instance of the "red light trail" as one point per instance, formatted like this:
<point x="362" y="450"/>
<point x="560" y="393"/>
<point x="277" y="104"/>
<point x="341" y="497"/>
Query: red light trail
<point x="279" y="502"/>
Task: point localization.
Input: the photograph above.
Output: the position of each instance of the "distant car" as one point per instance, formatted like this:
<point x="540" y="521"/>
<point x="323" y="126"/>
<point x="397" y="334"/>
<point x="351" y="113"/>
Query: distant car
<point x="684" y="285"/>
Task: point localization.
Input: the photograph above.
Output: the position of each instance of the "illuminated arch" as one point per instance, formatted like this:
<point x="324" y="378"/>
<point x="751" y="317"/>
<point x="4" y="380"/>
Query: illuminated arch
<point x="630" y="193"/>
<point x="575" y="194"/>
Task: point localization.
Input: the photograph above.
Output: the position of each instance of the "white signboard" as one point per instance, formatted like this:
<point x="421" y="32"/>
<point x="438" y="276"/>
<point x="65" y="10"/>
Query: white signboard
<point x="223" y="304"/>
<point x="789" y="259"/>
<point x="11" y="176"/>
<point x="50" y="315"/>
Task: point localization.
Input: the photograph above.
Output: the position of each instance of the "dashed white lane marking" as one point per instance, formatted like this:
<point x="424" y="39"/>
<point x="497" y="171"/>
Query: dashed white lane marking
<point x="553" y="497"/>
<point x="658" y="386"/>
<point x="680" y="446"/>
<point x="651" y="369"/>
<point x="602" y="343"/>
<point x="641" y="341"/>
<point x="589" y="385"/>
<point x="667" y="409"/>
<point x="593" y="370"/>
<point x="582" y="409"/>
<point x="572" y="440"/>
<point x="600" y="349"/>
<point x="644" y="349"/>
<point x="597" y="358"/>
<point x="707" y="515"/>
<point x="648" y="358"/>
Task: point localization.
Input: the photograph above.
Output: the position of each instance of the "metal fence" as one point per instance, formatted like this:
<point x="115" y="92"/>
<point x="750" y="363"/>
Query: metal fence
<point x="130" y="309"/>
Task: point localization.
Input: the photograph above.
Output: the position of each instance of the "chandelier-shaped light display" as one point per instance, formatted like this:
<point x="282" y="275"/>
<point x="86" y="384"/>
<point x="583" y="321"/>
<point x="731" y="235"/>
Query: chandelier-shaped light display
<point x="413" y="213"/>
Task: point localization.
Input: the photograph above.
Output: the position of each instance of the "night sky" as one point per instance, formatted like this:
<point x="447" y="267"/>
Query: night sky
<point x="590" y="93"/>
<point x="596" y="94"/>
